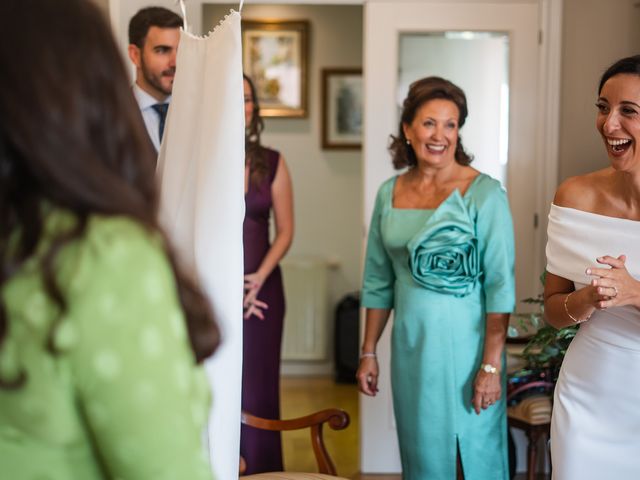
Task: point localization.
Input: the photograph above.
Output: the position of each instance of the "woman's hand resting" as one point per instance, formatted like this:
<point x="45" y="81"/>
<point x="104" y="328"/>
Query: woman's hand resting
<point x="367" y="376"/>
<point x="487" y="390"/>
<point x="251" y="305"/>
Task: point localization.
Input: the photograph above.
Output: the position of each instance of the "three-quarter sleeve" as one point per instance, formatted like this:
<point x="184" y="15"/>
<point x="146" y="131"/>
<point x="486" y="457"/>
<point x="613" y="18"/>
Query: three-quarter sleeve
<point x="379" y="277"/>
<point x="144" y="401"/>
<point x="494" y="228"/>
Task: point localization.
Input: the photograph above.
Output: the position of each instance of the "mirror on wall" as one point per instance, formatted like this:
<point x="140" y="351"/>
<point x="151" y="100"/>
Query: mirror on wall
<point x="478" y="62"/>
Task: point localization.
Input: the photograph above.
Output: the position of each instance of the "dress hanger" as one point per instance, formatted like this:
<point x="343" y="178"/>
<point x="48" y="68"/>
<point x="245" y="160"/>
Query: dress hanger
<point x="184" y="14"/>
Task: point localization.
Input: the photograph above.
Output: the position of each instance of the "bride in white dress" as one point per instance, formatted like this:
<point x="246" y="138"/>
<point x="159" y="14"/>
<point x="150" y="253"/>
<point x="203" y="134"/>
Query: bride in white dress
<point x="593" y="278"/>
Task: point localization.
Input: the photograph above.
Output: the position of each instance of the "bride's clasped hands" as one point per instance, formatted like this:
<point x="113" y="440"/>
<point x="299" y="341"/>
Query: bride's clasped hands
<point x="614" y="285"/>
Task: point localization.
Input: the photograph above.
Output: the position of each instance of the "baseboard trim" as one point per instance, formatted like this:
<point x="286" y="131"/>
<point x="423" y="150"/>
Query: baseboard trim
<point x="300" y="369"/>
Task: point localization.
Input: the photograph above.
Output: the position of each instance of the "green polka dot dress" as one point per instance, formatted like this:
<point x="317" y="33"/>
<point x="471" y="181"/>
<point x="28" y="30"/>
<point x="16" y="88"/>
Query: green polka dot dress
<point x="122" y="398"/>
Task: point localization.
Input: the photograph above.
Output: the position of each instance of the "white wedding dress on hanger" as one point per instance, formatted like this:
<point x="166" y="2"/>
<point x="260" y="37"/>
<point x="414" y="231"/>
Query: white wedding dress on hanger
<point x="201" y="176"/>
<point x="595" y="427"/>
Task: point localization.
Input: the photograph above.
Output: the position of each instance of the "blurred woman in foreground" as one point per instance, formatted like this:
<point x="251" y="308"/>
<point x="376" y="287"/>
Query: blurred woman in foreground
<point x="101" y="334"/>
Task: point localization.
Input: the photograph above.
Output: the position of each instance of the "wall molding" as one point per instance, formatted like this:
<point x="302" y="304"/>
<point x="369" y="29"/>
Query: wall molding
<point x="550" y="82"/>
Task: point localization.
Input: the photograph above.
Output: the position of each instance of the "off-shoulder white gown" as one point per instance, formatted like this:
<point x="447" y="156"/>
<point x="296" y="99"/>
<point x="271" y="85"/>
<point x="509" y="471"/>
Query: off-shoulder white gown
<point x="595" y="427"/>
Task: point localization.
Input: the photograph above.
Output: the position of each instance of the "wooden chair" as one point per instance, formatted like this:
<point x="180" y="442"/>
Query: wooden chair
<point x="335" y="418"/>
<point x="533" y="416"/>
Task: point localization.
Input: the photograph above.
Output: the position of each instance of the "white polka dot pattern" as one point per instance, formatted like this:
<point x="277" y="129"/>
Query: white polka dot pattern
<point x="107" y="364"/>
<point x="123" y="373"/>
<point x="151" y="342"/>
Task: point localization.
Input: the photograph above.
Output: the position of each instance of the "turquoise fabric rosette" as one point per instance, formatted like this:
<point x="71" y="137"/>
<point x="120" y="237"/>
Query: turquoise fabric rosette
<point x="443" y="255"/>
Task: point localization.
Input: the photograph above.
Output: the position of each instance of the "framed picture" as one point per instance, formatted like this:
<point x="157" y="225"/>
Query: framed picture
<point x="274" y="55"/>
<point x="342" y="108"/>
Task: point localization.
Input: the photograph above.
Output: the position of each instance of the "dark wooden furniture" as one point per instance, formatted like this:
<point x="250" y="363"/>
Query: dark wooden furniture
<point x="335" y="418"/>
<point x="534" y="433"/>
<point x="529" y="419"/>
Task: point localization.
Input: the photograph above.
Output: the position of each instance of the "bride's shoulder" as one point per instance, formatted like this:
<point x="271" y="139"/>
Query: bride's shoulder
<point x="583" y="191"/>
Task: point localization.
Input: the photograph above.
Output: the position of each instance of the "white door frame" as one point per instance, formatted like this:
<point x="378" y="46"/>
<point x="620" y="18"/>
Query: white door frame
<point x="379" y="451"/>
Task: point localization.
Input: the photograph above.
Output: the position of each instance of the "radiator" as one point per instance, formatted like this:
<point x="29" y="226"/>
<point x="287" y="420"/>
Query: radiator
<point x="306" y="323"/>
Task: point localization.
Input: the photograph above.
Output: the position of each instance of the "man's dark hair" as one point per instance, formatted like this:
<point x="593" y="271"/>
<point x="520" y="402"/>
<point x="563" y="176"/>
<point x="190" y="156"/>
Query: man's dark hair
<point x="149" y="17"/>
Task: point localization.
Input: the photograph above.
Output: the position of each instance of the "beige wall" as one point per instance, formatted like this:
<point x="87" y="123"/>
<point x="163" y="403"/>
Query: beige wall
<point x="327" y="184"/>
<point x="595" y="34"/>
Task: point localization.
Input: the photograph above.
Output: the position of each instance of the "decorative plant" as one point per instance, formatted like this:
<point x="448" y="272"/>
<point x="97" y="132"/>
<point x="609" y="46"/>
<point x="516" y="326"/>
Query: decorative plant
<point x="546" y="348"/>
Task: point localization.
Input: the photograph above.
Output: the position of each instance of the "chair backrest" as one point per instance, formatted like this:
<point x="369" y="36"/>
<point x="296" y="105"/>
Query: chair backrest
<point x="291" y="476"/>
<point x="336" y="418"/>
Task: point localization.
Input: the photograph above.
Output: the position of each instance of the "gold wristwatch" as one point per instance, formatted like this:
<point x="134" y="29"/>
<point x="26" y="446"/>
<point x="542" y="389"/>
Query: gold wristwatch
<point x="487" y="367"/>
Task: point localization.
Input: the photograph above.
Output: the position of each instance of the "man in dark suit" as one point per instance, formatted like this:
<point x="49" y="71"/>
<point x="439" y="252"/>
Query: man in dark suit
<point x="154" y="33"/>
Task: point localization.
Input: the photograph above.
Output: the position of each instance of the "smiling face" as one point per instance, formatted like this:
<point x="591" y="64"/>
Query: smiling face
<point x="618" y="120"/>
<point x="433" y="132"/>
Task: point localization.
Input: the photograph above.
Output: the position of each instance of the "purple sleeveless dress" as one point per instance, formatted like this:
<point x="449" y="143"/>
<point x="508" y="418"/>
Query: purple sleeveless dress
<point x="262" y="450"/>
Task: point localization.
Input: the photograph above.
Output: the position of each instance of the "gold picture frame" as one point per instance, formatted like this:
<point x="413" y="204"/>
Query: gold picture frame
<point x="274" y="56"/>
<point x="342" y="115"/>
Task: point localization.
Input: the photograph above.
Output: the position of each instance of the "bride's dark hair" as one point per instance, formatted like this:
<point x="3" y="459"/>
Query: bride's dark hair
<point x="71" y="135"/>
<point x="627" y="65"/>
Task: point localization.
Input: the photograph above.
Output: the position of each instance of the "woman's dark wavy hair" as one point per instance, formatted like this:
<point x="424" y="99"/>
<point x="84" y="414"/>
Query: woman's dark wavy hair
<point x="627" y="65"/>
<point x="255" y="154"/>
<point x="420" y="92"/>
<point x="71" y="135"/>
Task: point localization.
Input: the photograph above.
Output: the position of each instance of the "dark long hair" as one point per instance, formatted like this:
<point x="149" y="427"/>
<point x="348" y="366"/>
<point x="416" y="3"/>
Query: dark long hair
<point x="628" y="65"/>
<point x="71" y="136"/>
<point x="255" y="154"/>
<point x="420" y="92"/>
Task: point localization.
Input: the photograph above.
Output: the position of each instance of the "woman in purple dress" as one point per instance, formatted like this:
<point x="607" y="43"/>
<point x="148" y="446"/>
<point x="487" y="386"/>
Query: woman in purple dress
<point x="267" y="188"/>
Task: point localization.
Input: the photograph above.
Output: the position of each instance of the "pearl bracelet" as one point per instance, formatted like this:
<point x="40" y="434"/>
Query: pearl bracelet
<point x="367" y="355"/>
<point x="566" y="309"/>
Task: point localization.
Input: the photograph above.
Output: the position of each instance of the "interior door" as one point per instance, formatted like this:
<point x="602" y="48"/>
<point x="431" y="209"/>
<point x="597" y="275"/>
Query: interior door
<point x="388" y="24"/>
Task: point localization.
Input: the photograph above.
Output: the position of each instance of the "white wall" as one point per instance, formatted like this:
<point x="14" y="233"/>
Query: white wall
<point x="595" y="34"/>
<point x="327" y="184"/>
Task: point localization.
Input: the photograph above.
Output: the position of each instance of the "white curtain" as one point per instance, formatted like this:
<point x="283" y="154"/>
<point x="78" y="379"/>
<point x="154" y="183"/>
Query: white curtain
<point x="201" y="173"/>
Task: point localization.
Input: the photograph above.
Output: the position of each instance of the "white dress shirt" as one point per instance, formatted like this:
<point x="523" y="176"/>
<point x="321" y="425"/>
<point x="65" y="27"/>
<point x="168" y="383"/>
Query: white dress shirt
<point x="149" y="115"/>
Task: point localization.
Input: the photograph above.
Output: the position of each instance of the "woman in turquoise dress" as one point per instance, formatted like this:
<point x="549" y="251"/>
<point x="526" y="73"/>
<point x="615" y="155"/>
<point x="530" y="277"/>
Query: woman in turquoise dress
<point x="440" y="254"/>
<point x="101" y="335"/>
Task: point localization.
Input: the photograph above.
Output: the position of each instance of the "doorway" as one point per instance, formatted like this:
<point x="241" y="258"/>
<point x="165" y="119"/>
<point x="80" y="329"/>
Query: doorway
<point x="520" y="133"/>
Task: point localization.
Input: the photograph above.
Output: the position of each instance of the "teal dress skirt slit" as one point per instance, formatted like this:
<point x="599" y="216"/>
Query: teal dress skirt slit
<point x="441" y="271"/>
